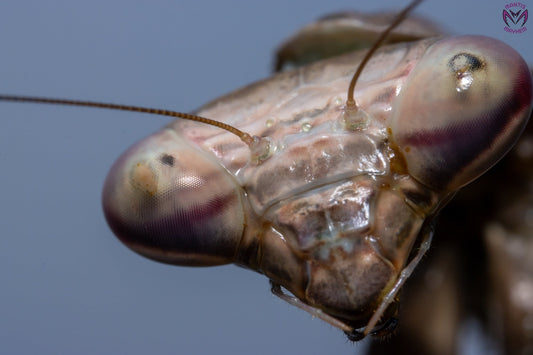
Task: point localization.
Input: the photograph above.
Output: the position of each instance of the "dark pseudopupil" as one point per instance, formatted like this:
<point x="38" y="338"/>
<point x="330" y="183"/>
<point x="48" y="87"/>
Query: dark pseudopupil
<point x="167" y="160"/>
<point x="461" y="61"/>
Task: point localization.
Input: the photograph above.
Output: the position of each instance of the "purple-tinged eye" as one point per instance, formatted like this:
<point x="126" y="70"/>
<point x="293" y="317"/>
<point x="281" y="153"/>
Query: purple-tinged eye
<point x="171" y="202"/>
<point x="462" y="108"/>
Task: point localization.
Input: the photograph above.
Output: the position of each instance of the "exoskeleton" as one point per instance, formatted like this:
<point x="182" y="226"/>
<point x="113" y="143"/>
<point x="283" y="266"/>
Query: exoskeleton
<point x="334" y="203"/>
<point x="335" y="208"/>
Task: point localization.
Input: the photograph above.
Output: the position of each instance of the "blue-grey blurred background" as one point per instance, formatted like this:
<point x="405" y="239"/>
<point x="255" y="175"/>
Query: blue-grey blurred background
<point x="67" y="286"/>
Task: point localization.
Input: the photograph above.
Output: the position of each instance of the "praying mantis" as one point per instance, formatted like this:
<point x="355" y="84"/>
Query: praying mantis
<point x="101" y="277"/>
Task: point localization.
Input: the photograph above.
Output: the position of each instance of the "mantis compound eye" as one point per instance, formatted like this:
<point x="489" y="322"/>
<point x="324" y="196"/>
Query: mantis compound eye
<point x="464" y="105"/>
<point x="171" y="202"/>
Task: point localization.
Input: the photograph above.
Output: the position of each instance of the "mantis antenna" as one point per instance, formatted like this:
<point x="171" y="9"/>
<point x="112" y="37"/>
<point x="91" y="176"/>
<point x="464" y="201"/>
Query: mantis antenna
<point x="353" y="117"/>
<point x="259" y="146"/>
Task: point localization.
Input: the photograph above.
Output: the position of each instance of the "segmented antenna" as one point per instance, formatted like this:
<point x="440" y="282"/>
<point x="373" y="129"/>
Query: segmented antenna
<point x="259" y="146"/>
<point x="353" y="116"/>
